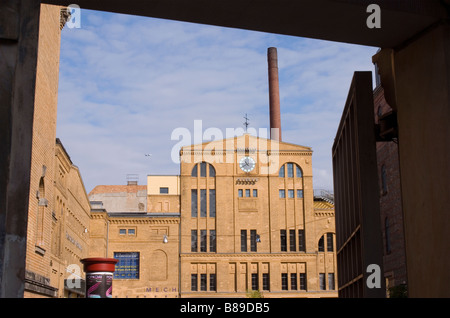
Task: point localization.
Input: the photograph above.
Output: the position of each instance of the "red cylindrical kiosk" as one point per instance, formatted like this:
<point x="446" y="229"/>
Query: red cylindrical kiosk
<point x="99" y="276"/>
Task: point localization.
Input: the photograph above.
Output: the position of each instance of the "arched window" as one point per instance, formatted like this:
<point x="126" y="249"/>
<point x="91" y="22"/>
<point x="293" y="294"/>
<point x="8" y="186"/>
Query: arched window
<point x="326" y="239"/>
<point x="204" y="167"/>
<point x="290" y="170"/>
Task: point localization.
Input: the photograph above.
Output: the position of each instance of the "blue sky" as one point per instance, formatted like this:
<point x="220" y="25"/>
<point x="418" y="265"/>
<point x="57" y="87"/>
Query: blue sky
<point x="127" y="82"/>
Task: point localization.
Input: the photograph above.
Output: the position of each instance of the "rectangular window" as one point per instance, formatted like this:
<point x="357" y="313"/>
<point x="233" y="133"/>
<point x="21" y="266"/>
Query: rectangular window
<point x="194" y="282"/>
<point x="163" y="190"/>
<point x="203" y="282"/>
<point x="247" y="193"/>
<point x="203" y="202"/>
<point x="127" y="266"/>
<point x="243" y="240"/>
<point x="131" y="232"/>
<point x="266" y="281"/>
<point x="293" y="281"/>
<point x="290" y="170"/>
<point x="292" y="245"/>
<point x="122" y="231"/>
<point x="284" y="281"/>
<point x="282" y="193"/>
<point x="240" y="193"/>
<point x="255" y="193"/>
<point x="302" y="281"/>
<point x="322" y="281"/>
<point x="194" y="206"/>
<point x="202" y="240"/>
<point x="255" y="282"/>
<point x="194" y="247"/>
<point x="300" y="194"/>
<point x="212" y="203"/>
<point x="331" y="281"/>
<point x="330" y="242"/>
<point x="212" y="282"/>
<point x="291" y="193"/>
<point x="283" y="240"/>
<point x="253" y="241"/>
<point x="212" y="240"/>
<point x="301" y="241"/>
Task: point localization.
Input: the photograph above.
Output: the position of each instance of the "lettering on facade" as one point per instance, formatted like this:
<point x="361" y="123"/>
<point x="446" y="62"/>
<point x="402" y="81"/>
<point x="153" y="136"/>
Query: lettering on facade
<point x="73" y="241"/>
<point x="160" y="289"/>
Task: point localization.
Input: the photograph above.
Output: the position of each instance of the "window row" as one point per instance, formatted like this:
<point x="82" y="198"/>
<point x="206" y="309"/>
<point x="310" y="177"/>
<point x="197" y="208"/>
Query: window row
<point x="203" y="282"/>
<point x="204" y="199"/>
<point x="127" y="231"/>
<point x="203" y="241"/>
<point x="248" y="193"/>
<point x="203" y="168"/>
<point x="288" y="170"/>
<point x="292" y="241"/>
<point x="290" y="193"/>
<point x="289" y="281"/>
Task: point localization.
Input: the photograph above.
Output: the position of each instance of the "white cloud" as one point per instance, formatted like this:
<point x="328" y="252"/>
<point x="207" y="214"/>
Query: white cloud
<point x="127" y="82"/>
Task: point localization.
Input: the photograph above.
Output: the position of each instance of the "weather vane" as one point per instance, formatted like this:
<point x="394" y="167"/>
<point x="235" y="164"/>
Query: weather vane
<point x="246" y="122"/>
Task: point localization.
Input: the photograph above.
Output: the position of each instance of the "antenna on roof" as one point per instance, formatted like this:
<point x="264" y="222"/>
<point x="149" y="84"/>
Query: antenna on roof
<point x="246" y="122"/>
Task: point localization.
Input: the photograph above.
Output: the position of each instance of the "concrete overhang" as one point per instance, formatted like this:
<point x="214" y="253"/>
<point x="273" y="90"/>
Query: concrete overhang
<point x="333" y="20"/>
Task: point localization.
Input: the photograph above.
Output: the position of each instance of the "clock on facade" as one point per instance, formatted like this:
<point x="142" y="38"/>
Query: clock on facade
<point x="247" y="164"/>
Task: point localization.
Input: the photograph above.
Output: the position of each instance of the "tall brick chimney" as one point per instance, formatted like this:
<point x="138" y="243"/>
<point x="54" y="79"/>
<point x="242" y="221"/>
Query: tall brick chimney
<point x="274" y="94"/>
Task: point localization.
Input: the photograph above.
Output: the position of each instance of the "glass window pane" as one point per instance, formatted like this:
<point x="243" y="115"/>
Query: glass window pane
<point x="243" y="240"/>
<point x="300" y="194"/>
<point x="281" y="173"/>
<point x="284" y="281"/>
<point x="122" y="231"/>
<point x="212" y="282"/>
<point x="290" y="193"/>
<point x="163" y="190"/>
<point x="247" y="193"/>
<point x="194" y="282"/>
<point x="331" y="281"/>
<point x="301" y="241"/>
<point x="194" y="241"/>
<point x="240" y="193"/>
<point x="202" y="169"/>
<point x="255" y="193"/>
<point x="202" y="240"/>
<point x="127" y="266"/>
<point x="253" y="247"/>
<point x="212" y="203"/>
<point x="255" y="282"/>
<point x="266" y="281"/>
<point x="298" y="171"/>
<point x="302" y="281"/>
<point x="212" y="240"/>
<point x="321" y="245"/>
<point x="194" y="204"/>
<point x="283" y="240"/>
<point x="290" y="170"/>
<point x="282" y="194"/>
<point x="203" y="282"/>
<point x="293" y="281"/>
<point x="322" y="281"/>
<point x="203" y="202"/>
<point x="330" y="242"/>
<point x="292" y="245"/>
<point x="194" y="171"/>
<point x="212" y="171"/>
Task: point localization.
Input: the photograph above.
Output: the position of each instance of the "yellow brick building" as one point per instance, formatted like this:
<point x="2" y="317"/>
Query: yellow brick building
<point x="248" y="222"/>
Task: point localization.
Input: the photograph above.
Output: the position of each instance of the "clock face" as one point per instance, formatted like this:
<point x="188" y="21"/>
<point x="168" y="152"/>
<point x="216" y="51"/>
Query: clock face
<point x="247" y="164"/>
